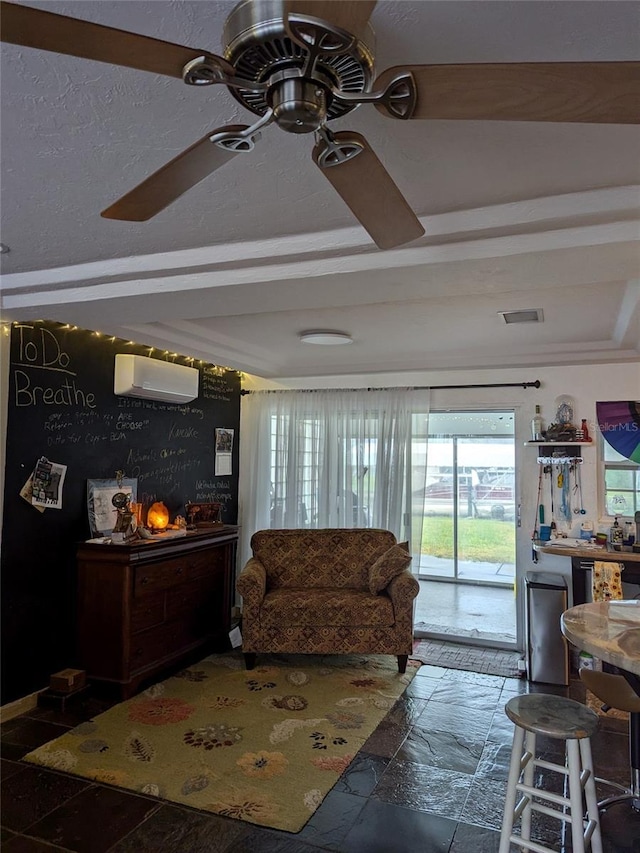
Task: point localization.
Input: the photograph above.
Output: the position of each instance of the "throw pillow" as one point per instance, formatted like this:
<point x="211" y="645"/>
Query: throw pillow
<point x="392" y="563"/>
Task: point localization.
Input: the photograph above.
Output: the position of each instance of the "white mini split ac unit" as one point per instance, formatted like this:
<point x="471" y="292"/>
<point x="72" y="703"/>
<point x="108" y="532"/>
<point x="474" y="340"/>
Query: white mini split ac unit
<point x="152" y="379"/>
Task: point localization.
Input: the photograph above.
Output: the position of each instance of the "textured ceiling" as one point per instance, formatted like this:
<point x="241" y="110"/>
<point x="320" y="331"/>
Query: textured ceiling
<point x="529" y="215"/>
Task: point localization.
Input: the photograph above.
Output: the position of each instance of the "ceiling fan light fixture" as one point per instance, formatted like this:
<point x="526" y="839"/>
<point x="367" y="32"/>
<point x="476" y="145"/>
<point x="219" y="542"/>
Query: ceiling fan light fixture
<point x="325" y="337"/>
<point x="524" y="315"/>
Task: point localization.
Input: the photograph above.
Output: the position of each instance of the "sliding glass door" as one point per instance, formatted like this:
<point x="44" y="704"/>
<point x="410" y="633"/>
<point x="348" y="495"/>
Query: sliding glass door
<point x="469" y="520"/>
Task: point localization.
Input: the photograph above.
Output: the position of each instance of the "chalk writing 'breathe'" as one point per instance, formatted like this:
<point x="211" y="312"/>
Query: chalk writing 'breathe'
<point x="66" y="393"/>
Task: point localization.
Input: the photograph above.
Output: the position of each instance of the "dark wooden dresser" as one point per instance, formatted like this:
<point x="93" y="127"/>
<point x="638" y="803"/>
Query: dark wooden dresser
<point x="149" y="606"/>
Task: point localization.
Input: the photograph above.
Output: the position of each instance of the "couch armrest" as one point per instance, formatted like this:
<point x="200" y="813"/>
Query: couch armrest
<point x="402" y="590"/>
<point x="252" y="583"/>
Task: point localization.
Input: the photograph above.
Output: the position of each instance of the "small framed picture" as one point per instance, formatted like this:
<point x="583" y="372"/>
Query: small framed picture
<point x="100" y="509"/>
<point x="203" y="515"/>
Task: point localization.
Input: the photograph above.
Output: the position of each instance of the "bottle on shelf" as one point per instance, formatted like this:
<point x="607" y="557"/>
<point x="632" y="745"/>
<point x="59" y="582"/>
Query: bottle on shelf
<point x="629" y="533"/>
<point x="616" y="533"/>
<point x="536" y="426"/>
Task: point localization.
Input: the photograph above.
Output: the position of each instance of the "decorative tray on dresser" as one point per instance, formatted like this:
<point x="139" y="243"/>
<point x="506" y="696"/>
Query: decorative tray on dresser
<point x="147" y="607"/>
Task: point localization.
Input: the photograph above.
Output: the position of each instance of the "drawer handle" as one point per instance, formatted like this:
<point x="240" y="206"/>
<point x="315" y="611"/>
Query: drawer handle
<point x="179" y="570"/>
<point x="144" y="581"/>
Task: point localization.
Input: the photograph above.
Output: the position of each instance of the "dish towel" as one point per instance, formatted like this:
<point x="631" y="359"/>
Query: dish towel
<point x="607" y="581"/>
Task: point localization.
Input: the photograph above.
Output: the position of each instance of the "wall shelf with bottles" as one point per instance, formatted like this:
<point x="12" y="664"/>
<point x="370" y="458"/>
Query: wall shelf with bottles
<point x="542" y="443"/>
<point x="559" y="452"/>
<point x="559" y="460"/>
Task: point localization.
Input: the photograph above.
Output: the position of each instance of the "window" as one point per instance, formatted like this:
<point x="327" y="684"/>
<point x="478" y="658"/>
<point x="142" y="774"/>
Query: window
<point x="621" y="479"/>
<point x="299" y="462"/>
<point x="337" y="458"/>
<point x="300" y="439"/>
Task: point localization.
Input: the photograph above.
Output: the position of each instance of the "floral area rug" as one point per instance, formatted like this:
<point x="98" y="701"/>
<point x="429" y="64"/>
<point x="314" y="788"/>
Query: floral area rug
<point x="264" y="746"/>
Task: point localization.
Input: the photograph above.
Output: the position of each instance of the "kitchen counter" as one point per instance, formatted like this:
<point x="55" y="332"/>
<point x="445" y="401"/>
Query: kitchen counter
<point x="582" y="559"/>
<point x="588" y="551"/>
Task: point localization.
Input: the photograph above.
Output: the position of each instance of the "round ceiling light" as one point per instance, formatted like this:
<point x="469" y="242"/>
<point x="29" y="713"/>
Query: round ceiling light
<point x="325" y="337"/>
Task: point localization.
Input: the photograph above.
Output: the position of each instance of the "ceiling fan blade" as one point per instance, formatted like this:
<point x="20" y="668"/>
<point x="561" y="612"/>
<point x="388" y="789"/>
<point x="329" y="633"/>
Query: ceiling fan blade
<point x="590" y="92"/>
<point x="172" y="180"/>
<point x="30" y="27"/>
<point x="349" y="15"/>
<point x="369" y="191"/>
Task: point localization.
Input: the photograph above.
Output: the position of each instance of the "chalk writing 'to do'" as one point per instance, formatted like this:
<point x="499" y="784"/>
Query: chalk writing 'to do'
<point x="40" y="347"/>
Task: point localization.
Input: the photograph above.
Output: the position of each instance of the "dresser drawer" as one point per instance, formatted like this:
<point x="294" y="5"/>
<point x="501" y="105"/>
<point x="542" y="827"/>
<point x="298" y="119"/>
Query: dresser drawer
<point x="150" y="646"/>
<point x="159" y="576"/>
<point x="164" y="641"/>
<point x="147" y="610"/>
<point x="184" y="599"/>
<point x="203" y="563"/>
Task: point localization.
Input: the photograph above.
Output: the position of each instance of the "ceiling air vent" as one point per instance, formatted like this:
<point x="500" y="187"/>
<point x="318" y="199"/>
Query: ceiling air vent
<point x="527" y="315"/>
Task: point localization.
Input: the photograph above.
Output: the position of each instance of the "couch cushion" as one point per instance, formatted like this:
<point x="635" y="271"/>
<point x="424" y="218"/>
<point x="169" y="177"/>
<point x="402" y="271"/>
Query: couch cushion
<point x="336" y="558"/>
<point x="392" y="563"/>
<point x="323" y="607"/>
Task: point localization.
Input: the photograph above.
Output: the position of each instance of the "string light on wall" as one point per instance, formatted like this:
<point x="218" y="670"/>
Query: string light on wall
<point x="217" y="370"/>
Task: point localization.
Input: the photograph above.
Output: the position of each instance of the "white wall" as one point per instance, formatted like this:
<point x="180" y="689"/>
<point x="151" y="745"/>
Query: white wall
<point x="586" y="384"/>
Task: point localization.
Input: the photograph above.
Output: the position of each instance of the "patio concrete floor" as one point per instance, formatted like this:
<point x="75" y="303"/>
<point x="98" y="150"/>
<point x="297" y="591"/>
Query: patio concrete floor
<point x="468" y="570"/>
<point x="466" y="612"/>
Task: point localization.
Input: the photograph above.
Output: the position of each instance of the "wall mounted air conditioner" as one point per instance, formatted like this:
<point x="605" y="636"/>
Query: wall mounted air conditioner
<point x="152" y="379"/>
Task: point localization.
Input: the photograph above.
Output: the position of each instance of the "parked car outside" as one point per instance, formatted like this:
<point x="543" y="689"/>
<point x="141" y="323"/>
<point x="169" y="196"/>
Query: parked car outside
<point x="491" y="497"/>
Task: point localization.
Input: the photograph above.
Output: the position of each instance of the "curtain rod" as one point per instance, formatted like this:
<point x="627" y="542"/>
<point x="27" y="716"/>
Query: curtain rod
<point x="535" y="384"/>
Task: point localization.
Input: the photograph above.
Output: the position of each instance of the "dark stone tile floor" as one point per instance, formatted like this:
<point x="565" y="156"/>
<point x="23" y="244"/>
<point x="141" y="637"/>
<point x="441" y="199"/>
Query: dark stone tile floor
<point x="431" y="778"/>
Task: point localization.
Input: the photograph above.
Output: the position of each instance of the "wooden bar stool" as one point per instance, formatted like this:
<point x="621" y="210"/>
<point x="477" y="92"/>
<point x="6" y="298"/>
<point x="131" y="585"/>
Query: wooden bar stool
<point x="562" y="719"/>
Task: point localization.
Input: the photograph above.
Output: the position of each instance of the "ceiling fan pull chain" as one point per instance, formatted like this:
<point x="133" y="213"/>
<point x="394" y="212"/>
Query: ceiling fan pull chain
<point x="241" y="141"/>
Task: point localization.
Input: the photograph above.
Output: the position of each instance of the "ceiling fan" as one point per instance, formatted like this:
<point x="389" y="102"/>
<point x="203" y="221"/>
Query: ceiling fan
<point x="300" y="64"/>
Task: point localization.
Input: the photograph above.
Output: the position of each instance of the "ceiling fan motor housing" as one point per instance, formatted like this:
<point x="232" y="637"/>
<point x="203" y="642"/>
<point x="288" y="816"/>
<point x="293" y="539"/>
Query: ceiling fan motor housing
<point x="261" y="50"/>
<point x="299" y="105"/>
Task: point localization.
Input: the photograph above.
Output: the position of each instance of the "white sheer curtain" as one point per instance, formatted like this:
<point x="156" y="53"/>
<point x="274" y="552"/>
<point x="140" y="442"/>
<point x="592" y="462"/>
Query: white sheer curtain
<point x="333" y="459"/>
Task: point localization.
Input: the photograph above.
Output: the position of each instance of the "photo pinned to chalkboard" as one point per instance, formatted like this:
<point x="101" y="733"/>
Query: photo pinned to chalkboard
<point x="26" y="493"/>
<point x="224" y="449"/>
<point x="43" y="489"/>
<point x="103" y="514"/>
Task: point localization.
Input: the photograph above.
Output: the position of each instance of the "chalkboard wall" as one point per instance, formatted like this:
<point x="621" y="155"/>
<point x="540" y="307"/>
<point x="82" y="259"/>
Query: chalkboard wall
<point x="62" y="406"/>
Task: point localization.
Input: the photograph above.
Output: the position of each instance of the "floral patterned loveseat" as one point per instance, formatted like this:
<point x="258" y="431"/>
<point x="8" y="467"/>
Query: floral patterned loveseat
<point x="327" y="591"/>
